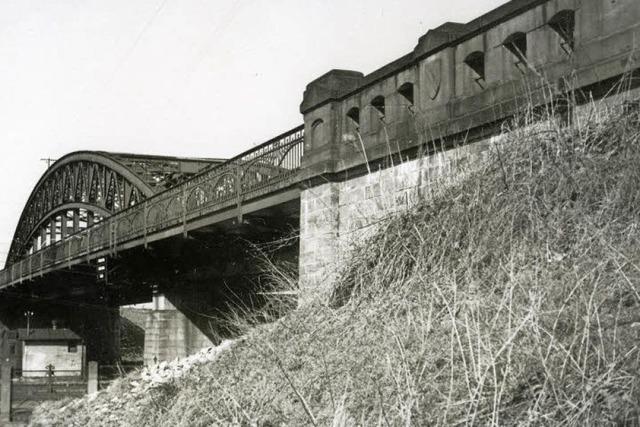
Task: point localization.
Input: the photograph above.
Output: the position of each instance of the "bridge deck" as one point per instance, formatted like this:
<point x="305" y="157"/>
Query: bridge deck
<point x="262" y="177"/>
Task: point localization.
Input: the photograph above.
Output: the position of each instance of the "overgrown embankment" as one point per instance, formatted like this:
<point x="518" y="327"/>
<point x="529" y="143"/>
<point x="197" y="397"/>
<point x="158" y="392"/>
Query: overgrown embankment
<point x="511" y="298"/>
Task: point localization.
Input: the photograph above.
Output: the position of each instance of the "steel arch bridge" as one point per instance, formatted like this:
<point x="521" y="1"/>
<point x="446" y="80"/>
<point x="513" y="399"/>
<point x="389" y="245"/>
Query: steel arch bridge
<point x="92" y="204"/>
<point x="84" y="187"/>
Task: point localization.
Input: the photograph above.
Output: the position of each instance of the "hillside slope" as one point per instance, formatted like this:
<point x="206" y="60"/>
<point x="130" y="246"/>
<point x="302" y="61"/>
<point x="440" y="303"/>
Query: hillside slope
<point x="512" y="297"/>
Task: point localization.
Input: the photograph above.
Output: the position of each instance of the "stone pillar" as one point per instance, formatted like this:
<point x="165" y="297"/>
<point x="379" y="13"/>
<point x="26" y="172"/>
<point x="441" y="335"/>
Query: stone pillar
<point x="169" y="334"/>
<point x="322" y="119"/>
<point x="5" y="393"/>
<point x="319" y="218"/>
<point x="319" y="242"/>
<point x="92" y="377"/>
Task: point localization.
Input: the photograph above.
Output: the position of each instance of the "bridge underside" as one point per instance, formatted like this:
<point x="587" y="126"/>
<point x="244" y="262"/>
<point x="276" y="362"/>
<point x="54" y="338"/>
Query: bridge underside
<point x="203" y="272"/>
<point x="190" y="240"/>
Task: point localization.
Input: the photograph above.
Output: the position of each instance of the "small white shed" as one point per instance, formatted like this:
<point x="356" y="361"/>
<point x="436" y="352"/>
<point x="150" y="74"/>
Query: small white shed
<point x="61" y="349"/>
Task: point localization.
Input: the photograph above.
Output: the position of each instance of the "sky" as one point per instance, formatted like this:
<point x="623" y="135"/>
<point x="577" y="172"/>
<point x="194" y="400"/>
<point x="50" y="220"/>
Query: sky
<point x="192" y="78"/>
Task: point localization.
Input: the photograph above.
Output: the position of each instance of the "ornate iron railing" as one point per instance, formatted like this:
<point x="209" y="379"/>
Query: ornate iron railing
<point x="264" y="169"/>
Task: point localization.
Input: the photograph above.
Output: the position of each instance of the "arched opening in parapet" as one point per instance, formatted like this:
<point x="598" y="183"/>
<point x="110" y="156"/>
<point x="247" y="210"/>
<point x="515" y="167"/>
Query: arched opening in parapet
<point x="406" y="90"/>
<point x="564" y="24"/>
<point x="354" y="116"/>
<point x="351" y="129"/>
<point x="378" y="104"/>
<point x="317" y="132"/>
<point x="197" y="198"/>
<point x="516" y="43"/>
<point x="475" y="61"/>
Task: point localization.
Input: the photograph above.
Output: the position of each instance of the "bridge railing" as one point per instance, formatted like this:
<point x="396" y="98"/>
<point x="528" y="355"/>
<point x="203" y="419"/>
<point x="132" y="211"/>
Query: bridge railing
<point x="264" y="169"/>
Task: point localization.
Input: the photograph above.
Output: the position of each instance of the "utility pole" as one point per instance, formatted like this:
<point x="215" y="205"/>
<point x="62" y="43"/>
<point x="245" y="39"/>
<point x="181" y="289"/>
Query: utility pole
<point x="49" y="161"/>
<point x="28" y="314"/>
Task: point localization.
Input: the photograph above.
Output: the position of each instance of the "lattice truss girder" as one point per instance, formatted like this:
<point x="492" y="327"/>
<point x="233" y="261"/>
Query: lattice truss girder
<point x="70" y="196"/>
<point x="84" y="187"/>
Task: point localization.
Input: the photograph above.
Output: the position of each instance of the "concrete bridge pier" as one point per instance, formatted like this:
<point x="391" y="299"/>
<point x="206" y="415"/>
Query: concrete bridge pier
<point x="169" y="333"/>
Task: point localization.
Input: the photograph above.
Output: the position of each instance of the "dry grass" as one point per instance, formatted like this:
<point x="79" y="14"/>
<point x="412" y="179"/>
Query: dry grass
<point x="511" y="298"/>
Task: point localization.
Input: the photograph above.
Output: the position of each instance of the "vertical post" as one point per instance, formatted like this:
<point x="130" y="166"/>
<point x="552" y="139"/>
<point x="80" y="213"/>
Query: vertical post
<point x="145" y="212"/>
<point x="5" y="393"/>
<point x="63" y="225"/>
<point x="52" y="231"/>
<point x="184" y="211"/>
<point x="110" y="230"/>
<point x="76" y="220"/>
<point x="50" y="374"/>
<point x="239" y="194"/>
<point x="43" y="237"/>
<point x="68" y="245"/>
<point x="114" y="227"/>
<point x="92" y="375"/>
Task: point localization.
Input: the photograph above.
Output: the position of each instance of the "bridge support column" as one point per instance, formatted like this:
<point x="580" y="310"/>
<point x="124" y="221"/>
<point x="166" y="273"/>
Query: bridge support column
<point x="319" y="242"/>
<point x="169" y="333"/>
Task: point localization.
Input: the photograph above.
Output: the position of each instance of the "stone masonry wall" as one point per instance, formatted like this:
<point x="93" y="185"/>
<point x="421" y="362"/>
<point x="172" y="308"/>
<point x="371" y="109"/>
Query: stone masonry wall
<point x="338" y="215"/>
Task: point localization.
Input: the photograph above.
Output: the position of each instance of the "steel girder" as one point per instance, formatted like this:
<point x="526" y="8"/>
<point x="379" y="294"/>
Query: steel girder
<point x="72" y="191"/>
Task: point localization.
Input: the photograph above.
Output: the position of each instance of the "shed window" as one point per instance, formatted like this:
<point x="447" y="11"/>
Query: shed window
<point x="378" y="104"/>
<point x="406" y="90"/>
<point x="354" y="115"/>
<point x="564" y="24"/>
<point x="517" y="45"/>
<point x="73" y="347"/>
<point x="475" y="61"/>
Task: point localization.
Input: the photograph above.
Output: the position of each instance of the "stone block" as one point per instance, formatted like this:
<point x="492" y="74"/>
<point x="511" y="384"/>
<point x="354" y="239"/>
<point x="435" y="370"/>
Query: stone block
<point x="92" y="377"/>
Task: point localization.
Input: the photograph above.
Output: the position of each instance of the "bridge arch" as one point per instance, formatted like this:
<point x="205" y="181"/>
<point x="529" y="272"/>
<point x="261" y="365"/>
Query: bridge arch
<point x="75" y="190"/>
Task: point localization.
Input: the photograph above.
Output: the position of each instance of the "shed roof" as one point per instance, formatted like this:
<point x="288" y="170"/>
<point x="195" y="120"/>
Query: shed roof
<point x="42" y="334"/>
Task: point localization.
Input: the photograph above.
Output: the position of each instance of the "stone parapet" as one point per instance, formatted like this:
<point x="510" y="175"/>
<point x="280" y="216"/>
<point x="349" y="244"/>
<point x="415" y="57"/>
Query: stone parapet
<point x="462" y="78"/>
